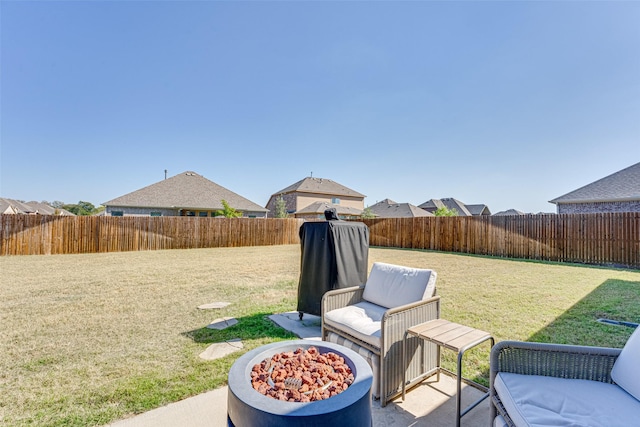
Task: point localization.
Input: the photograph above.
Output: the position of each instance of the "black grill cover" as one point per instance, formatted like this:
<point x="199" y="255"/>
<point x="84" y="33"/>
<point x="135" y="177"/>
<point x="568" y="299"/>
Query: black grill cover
<point x="335" y="254"/>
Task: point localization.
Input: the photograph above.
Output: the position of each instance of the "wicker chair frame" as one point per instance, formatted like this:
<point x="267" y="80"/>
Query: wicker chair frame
<point x="395" y="322"/>
<point x="553" y="360"/>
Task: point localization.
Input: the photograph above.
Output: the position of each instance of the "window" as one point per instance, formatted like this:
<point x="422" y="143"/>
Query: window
<point x="203" y="214"/>
<point x="335" y="200"/>
<point x="117" y="213"/>
<point x="156" y="214"/>
<point x="191" y="213"/>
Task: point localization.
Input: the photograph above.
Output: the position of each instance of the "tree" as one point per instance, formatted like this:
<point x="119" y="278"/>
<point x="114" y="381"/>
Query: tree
<point x="367" y="214"/>
<point x="281" y="207"/>
<point x="82" y="208"/>
<point x="227" y="211"/>
<point x="445" y="211"/>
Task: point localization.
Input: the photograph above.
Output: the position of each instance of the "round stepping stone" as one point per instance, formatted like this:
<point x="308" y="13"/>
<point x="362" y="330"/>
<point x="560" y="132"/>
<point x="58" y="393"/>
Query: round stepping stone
<point x="213" y="305"/>
<point x="221" y="349"/>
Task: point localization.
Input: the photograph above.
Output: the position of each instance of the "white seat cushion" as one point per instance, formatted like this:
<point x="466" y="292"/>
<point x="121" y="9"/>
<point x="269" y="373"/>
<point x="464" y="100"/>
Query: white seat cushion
<point x="534" y="400"/>
<point x="391" y="285"/>
<point x="626" y="370"/>
<point x="362" y="320"/>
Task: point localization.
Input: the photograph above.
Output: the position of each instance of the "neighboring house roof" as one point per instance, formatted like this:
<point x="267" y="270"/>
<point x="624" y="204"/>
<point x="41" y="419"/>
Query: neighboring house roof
<point x="45" y="209"/>
<point x="450" y="203"/>
<point x="431" y="204"/>
<point x="320" y="207"/>
<point x="623" y="185"/>
<point x="11" y="206"/>
<point x="509" y="212"/>
<point x="456" y="204"/>
<point x="320" y="186"/>
<point x="390" y="209"/>
<point x="477" y="210"/>
<point x="187" y="190"/>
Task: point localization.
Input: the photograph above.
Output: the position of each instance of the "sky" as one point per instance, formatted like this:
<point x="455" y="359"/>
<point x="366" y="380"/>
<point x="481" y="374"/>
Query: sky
<point x="505" y="103"/>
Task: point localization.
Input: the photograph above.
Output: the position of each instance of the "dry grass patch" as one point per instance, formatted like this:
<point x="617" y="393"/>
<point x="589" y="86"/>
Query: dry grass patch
<point x="88" y="339"/>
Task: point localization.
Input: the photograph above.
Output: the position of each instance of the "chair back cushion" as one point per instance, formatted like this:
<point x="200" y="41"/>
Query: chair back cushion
<point x="391" y="285"/>
<point x="626" y="370"/>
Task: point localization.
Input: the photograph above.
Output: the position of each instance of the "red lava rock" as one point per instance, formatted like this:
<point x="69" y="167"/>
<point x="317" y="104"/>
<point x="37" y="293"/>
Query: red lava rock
<point x="323" y="375"/>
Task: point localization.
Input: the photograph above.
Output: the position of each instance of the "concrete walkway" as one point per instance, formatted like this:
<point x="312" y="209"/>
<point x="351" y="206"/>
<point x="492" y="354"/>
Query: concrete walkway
<point x="430" y="404"/>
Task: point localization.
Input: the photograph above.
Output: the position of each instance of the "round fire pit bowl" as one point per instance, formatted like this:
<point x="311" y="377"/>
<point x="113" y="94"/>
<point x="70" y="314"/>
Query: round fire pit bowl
<point x="247" y="407"/>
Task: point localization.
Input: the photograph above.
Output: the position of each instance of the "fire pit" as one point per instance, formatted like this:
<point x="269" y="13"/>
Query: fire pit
<point x="248" y="407"/>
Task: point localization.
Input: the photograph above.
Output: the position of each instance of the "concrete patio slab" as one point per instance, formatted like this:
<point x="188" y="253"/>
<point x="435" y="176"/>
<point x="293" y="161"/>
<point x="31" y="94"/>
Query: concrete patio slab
<point x="430" y="404"/>
<point x="307" y="328"/>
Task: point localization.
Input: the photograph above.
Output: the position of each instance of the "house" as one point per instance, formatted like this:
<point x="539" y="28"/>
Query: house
<point x="11" y="206"/>
<point x="390" y="209"/>
<point x="618" y="192"/>
<point x="186" y="194"/>
<point x="307" y="198"/>
<point x="450" y="203"/>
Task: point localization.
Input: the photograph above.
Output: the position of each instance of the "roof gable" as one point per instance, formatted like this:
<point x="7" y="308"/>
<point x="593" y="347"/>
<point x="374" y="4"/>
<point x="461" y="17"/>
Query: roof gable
<point x="619" y="186"/>
<point x="187" y="190"/>
<point x="480" y="209"/>
<point x="320" y="186"/>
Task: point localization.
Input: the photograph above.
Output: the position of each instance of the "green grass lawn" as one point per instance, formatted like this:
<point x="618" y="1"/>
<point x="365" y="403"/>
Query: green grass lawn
<point x="89" y="339"/>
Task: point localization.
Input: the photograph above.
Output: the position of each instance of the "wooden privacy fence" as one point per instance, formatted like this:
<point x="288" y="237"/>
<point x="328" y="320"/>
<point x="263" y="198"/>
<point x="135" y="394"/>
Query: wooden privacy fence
<point x="603" y="239"/>
<point x="46" y="234"/>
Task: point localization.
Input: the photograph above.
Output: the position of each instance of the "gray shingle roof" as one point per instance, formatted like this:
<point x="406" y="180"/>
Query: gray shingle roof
<point x="480" y="209"/>
<point x="509" y="212"/>
<point x="320" y="186"/>
<point x="456" y="204"/>
<point x="431" y="204"/>
<point x="187" y="190"/>
<point x="11" y="206"/>
<point x="390" y="209"/>
<point x="620" y="186"/>
<point x="320" y="207"/>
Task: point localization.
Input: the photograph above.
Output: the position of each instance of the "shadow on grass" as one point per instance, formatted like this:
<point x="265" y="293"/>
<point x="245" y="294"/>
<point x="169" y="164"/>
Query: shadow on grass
<point x="251" y="327"/>
<point x="613" y="300"/>
<point x="578" y="325"/>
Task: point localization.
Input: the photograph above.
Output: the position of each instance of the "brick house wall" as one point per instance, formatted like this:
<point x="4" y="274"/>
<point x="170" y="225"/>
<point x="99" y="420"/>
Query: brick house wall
<point x="599" y="207"/>
<point x="290" y="204"/>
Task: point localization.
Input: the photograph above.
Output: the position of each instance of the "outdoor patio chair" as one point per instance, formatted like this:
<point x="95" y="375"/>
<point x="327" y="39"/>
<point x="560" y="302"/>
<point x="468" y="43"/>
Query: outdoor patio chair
<point x="559" y="384"/>
<point x="372" y="320"/>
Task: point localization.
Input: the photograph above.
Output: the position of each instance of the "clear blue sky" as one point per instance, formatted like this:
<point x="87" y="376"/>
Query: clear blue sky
<point x="510" y="104"/>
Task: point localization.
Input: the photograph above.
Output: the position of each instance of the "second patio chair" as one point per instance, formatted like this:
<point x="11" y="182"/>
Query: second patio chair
<point x="372" y="320"/>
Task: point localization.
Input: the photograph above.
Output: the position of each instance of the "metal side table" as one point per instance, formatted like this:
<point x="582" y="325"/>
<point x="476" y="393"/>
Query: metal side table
<point x="455" y="337"/>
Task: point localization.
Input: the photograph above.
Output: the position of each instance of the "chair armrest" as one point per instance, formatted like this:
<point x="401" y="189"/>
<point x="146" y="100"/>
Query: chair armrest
<point x="553" y="360"/>
<point x="397" y="320"/>
<point x="339" y="298"/>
